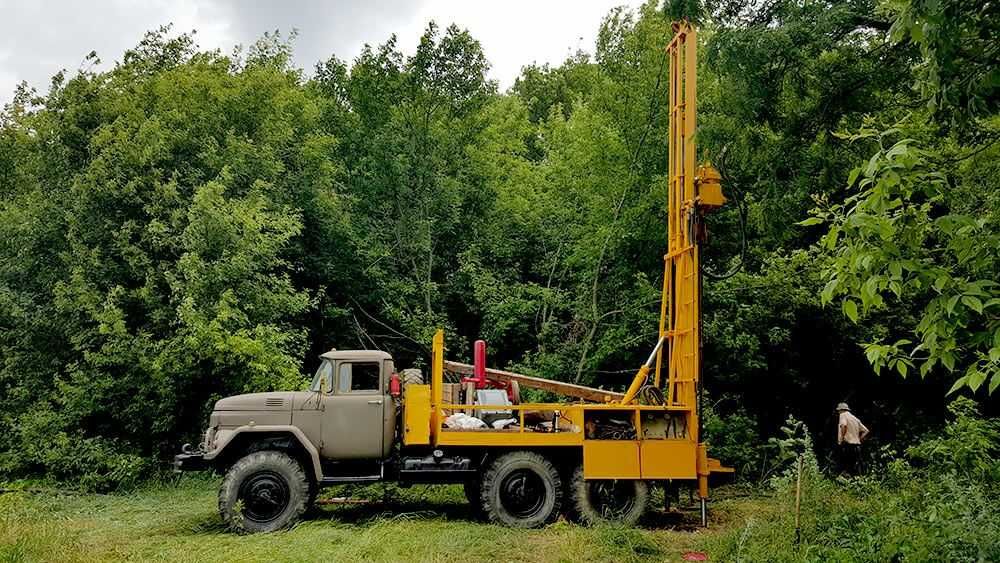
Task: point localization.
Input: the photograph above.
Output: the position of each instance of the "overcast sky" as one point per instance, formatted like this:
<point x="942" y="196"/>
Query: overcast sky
<point x="38" y="38"/>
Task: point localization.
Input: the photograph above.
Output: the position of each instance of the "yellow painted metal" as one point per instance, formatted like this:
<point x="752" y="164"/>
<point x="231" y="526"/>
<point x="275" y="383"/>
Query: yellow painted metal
<point x="505" y="438"/>
<point x="637" y="381"/>
<point x="611" y="459"/>
<point x="417" y="415"/>
<point x="437" y="383"/>
<point x="668" y="459"/>
<point x="681" y="311"/>
<point x="709" y="183"/>
<point x="704" y="471"/>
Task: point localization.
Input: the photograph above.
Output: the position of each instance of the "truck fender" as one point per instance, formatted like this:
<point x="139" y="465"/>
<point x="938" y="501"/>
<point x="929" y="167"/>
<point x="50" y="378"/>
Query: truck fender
<point x="227" y="436"/>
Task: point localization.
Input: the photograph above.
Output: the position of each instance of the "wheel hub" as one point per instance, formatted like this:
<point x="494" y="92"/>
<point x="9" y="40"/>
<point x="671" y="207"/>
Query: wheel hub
<point x="265" y="496"/>
<point x="613" y="499"/>
<point x="522" y="493"/>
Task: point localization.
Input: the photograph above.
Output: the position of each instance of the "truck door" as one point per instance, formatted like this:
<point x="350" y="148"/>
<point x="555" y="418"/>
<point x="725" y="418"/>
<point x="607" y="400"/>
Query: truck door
<point x="354" y="412"/>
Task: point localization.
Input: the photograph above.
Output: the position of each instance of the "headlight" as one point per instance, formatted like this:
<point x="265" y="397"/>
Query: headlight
<point x="208" y="444"/>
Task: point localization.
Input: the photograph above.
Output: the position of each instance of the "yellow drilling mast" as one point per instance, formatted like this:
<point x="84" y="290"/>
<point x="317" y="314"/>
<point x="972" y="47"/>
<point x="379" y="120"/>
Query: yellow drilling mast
<point x="692" y="191"/>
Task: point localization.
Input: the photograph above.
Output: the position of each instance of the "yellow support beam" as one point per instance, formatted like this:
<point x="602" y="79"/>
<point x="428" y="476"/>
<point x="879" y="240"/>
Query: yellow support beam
<point x="437" y="384"/>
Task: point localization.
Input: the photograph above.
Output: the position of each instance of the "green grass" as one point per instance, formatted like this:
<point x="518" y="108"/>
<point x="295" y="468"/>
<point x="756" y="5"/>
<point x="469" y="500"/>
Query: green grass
<point x="177" y="521"/>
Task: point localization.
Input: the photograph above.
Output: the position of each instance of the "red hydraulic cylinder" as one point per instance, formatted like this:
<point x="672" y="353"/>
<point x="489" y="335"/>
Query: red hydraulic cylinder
<point x="478" y="366"/>
<point x="479" y="363"/>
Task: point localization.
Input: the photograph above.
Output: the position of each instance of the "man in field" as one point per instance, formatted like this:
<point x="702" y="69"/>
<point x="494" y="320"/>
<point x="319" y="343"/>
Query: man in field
<point x="850" y="433"/>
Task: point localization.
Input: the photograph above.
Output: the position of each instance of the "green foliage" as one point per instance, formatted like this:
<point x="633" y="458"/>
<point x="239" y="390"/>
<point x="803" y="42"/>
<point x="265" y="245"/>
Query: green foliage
<point x="734" y="438"/>
<point x="895" y="240"/>
<point x="794" y="441"/>
<point x="188" y="225"/>
<point x="942" y="510"/>
<point x="959" y="74"/>
<point x="161" y="205"/>
<point x="968" y="447"/>
<point x="918" y="239"/>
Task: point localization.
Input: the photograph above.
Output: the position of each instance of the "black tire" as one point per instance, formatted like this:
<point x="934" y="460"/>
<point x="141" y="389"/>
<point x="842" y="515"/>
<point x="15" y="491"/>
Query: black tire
<point x="606" y="501"/>
<point x="264" y="491"/>
<point x="521" y="490"/>
<point x="412" y="376"/>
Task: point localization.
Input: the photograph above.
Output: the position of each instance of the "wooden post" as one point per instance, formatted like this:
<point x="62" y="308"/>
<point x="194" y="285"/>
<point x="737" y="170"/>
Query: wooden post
<point x="470" y="398"/>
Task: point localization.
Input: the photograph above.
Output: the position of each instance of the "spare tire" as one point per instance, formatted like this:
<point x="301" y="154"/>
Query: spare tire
<point x="411" y="375"/>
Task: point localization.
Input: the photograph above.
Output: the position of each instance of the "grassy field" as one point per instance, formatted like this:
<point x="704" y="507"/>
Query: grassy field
<point x="177" y="521"/>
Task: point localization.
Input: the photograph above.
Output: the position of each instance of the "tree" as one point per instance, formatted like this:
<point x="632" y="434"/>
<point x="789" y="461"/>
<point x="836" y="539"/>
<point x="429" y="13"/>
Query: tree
<point x="161" y="204"/>
<point x="921" y="229"/>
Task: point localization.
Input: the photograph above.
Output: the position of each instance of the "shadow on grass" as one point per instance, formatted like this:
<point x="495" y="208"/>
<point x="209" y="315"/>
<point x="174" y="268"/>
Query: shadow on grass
<point x="201" y="524"/>
<point x="393" y="508"/>
<point x="678" y="521"/>
<point x="409" y="508"/>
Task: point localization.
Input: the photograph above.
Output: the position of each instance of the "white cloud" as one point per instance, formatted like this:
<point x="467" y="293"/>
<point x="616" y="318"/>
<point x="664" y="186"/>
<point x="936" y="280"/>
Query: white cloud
<point x="37" y="39"/>
<point x="516" y="33"/>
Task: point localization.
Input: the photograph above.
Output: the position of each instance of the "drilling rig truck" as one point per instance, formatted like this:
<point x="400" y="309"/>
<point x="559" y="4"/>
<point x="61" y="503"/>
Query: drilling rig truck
<point x="592" y="456"/>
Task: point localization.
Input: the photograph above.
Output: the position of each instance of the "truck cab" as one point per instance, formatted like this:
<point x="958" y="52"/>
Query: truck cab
<point x="277" y="448"/>
<point x="347" y="412"/>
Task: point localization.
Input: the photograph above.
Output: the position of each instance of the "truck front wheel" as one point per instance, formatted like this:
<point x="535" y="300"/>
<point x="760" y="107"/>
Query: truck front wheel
<point x="264" y="491"/>
<point x="522" y="490"/>
<point x="603" y="501"/>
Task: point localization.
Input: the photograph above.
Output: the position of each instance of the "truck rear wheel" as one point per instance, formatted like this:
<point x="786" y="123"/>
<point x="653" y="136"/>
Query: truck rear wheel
<point x="603" y="501"/>
<point x="264" y="491"/>
<point x="522" y="490"/>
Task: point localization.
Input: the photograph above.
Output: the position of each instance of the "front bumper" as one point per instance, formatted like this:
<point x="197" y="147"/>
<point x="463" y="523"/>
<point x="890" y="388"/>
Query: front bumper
<point x="190" y="462"/>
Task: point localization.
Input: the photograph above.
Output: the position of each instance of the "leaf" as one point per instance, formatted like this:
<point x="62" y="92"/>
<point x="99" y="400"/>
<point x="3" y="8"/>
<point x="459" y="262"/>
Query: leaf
<point x="810" y="221"/>
<point x="896" y="269"/>
<point x="853" y="176"/>
<point x="851" y="310"/>
<point x="976" y="379"/>
<point x="959" y="383"/>
<point x="872" y="353"/>
<point x="902" y="368"/>
<point x="872" y="163"/>
<point x="830" y="240"/>
<point x="941" y="282"/>
<point x="948" y="361"/>
<point x="896" y="288"/>
<point x="973" y="303"/>
<point x="827" y="294"/>
<point x="994" y="382"/>
<point x="950" y="306"/>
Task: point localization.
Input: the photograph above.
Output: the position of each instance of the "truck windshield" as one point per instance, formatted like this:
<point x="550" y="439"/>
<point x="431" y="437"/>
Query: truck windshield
<point x="324" y="374"/>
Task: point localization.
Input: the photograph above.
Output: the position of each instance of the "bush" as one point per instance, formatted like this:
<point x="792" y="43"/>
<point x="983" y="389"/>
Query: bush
<point x="941" y="504"/>
<point x="92" y="464"/>
<point x="968" y="445"/>
<point x="733" y="438"/>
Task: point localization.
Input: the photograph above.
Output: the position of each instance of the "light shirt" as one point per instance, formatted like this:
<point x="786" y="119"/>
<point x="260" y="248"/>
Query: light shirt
<point x="850" y="430"/>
